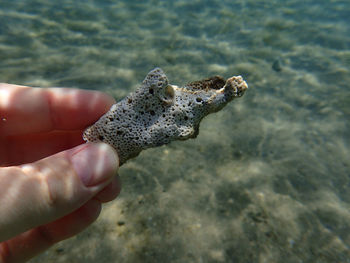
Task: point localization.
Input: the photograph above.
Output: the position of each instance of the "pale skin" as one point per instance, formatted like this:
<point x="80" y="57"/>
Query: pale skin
<point x="52" y="186"/>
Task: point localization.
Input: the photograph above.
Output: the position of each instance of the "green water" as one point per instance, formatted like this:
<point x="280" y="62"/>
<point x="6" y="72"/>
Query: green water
<point x="267" y="179"/>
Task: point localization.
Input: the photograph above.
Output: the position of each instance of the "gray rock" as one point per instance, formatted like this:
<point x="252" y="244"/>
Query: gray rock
<point x="158" y="113"/>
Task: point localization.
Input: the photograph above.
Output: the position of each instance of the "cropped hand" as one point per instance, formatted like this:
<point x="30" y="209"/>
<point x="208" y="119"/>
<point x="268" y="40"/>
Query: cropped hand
<point x="51" y="185"/>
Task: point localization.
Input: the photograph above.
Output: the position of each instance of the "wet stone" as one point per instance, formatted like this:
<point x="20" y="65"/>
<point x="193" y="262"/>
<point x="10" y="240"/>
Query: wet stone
<point x="158" y="112"/>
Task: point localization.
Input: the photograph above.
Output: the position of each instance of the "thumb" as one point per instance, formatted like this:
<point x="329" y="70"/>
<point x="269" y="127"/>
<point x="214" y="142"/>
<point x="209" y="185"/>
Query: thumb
<point x="38" y="193"/>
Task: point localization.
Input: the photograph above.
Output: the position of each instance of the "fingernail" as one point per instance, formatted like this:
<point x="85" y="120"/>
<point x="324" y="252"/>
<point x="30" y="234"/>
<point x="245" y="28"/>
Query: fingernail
<point x="94" y="163"/>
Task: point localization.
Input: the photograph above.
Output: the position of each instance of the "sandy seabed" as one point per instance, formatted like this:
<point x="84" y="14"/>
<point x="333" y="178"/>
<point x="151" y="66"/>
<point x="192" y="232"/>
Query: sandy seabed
<point x="267" y="179"/>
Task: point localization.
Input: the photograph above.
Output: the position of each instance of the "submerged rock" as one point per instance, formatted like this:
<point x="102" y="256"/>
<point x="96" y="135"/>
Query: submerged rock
<point x="158" y="113"/>
<point x="276" y="65"/>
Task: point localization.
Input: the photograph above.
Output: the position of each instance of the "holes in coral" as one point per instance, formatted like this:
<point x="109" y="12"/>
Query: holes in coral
<point x="100" y="137"/>
<point x="151" y="91"/>
<point x="198" y="99"/>
<point x="152" y="113"/>
<point x="129" y="101"/>
<point x="169" y="92"/>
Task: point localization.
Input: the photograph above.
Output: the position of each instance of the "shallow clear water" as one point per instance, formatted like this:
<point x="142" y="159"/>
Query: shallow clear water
<point x="267" y="179"/>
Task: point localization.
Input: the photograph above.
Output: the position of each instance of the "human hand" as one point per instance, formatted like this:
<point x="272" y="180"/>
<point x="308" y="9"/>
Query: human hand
<point x="50" y="191"/>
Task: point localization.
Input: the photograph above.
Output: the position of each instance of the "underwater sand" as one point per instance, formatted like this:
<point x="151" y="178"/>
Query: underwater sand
<point x="267" y="179"/>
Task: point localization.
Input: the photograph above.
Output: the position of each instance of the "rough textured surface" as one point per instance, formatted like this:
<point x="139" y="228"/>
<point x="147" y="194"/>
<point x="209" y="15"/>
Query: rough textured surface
<point x="158" y="112"/>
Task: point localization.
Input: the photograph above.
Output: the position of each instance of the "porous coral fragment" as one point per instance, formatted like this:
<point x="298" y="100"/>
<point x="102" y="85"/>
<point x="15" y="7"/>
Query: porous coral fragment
<point x="158" y="113"/>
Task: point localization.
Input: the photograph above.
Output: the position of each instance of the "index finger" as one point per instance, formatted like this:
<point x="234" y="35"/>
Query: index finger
<point x="26" y="110"/>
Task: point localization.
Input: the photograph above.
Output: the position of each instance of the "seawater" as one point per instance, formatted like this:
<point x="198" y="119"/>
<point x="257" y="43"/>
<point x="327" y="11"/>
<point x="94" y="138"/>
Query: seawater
<point x="267" y="179"/>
